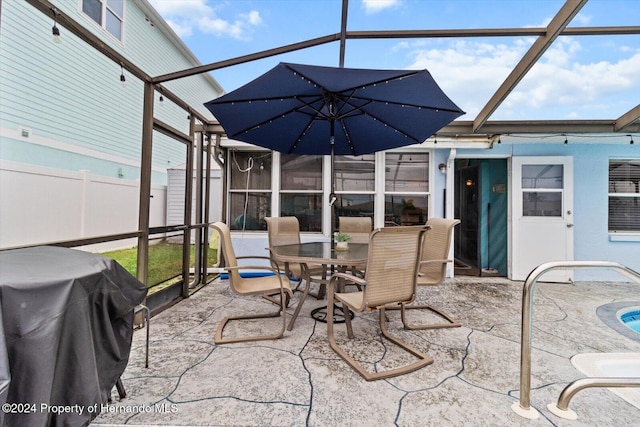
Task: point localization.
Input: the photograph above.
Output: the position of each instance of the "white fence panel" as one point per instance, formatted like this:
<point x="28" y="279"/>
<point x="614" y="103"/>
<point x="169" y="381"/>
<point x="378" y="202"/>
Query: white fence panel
<point x="40" y="205"/>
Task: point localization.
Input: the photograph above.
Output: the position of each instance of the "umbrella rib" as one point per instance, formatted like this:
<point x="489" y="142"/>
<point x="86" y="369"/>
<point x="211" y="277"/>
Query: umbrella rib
<point x="388" y="79"/>
<point x="384" y="122"/>
<point x="220" y="101"/>
<point x="346" y="102"/>
<point x="270" y="119"/>
<point x="385" y="80"/>
<point x="299" y="138"/>
<point x="346" y="134"/>
<point x="426" y="107"/>
<point x="310" y="106"/>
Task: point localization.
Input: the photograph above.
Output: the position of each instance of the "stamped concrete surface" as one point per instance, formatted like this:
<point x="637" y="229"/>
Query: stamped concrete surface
<point x="298" y="380"/>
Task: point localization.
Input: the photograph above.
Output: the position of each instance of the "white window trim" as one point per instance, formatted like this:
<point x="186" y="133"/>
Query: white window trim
<point x="379" y="192"/>
<point x="623" y="235"/>
<point x="103" y="24"/>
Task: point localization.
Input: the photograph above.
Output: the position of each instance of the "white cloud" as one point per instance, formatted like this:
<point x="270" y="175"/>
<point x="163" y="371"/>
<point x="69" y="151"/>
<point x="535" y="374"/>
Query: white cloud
<point x="253" y="17"/>
<point x="581" y="19"/>
<point x="463" y="65"/>
<point x="557" y="79"/>
<point x="375" y="6"/>
<point x="560" y="80"/>
<point x="181" y="8"/>
<point x="189" y="16"/>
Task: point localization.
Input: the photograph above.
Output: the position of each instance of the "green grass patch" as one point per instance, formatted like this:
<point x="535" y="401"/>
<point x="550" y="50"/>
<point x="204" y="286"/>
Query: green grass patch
<point x="165" y="261"/>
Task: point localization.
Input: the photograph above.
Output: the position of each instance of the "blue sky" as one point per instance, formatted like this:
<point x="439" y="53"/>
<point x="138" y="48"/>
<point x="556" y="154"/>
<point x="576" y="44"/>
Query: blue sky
<point x="582" y="77"/>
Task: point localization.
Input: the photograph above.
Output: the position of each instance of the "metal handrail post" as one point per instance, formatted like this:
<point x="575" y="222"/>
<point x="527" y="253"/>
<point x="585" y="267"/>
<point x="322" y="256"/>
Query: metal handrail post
<point x="523" y="407"/>
<point x="561" y="408"/>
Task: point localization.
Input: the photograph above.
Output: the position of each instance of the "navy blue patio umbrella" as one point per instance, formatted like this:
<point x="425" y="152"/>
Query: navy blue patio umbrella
<point x="306" y="109"/>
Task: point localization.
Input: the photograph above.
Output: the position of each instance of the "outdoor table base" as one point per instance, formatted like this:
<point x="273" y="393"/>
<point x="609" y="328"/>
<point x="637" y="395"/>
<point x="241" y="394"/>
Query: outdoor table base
<point x="320" y="314"/>
<point x="323" y="253"/>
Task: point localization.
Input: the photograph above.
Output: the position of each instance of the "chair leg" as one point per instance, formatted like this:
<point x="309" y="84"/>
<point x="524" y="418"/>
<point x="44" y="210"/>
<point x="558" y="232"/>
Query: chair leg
<point x="423" y="359"/>
<point x="273" y="297"/>
<point x="307" y="278"/>
<point x="322" y="285"/>
<point x="276" y="300"/>
<point x="282" y="312"/>
<point x="450" y="322"/>
<point x="122" y="393"/>
<point x="147" y="319"/>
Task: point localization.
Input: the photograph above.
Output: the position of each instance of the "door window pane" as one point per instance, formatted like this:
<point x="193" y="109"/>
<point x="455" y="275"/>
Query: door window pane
<point x="306" y="207"/>
<point x="353" y="205"/>
<point x="354" y="173"/>
<point x="407" y="172"/>
<point x="258" y="207"/>
<point x="249" y="204"/>
<point x="542" y="203"/>
<point x="252" y="166"/>
<point x="405" y="210"/>
<point x="542" y="176"/>
<point x="406" y="189"/>
<point x="301" y="172"/>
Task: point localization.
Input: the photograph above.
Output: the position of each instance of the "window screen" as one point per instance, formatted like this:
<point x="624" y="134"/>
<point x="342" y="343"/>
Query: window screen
<point x="624" y="196"/>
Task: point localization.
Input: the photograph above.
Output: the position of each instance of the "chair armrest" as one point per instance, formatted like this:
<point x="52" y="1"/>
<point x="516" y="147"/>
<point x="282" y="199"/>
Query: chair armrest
<point x="253" y="256"/>
<point x="348" y="277"/>
<point x="252" y="267"/>
<point x="435" y="261"/>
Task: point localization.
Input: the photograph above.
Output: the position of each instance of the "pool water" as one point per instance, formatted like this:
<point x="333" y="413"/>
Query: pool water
<point x="631" y="320"/>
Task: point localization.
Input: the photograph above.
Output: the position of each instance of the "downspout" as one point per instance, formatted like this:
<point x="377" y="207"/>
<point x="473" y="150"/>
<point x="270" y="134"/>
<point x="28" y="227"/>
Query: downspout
<point x="450" y="203"/>
<point x="219" y="156"/>
<point x="449" y="184"/>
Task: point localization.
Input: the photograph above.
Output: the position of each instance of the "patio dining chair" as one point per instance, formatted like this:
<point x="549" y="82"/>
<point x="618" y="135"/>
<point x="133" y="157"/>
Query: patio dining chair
<point x="358" y="229"/>
<point x="390" y="279"/>
<point x="262" y="286"/>
<point x="433" y="269"/>
<point x="286" y="231"/>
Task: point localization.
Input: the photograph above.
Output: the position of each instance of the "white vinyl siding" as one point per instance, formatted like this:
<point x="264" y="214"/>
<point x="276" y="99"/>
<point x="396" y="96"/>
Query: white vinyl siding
<point x="70" y="94"/>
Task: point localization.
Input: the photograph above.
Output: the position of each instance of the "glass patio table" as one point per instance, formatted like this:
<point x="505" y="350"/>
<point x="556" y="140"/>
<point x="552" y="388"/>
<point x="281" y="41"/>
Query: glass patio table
<point x="322" y="253"/>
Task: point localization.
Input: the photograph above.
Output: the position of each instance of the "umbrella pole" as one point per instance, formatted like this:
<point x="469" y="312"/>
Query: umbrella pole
<point x="332" y="195"/>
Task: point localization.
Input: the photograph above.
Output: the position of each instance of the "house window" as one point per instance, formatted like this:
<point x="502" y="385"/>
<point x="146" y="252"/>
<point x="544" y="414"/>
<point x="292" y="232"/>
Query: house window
<point x="109" y="14"/>
<point x="301" y="190"/>
<point x="354" y="185"/>
<point x="406" y="188"/>
<point x="624" y="196"/>
<point x="249" y="189"/>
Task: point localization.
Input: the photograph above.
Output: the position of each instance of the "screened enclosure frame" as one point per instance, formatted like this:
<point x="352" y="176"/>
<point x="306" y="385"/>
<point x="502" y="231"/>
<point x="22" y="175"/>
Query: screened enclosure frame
<point x="479" y="130"/>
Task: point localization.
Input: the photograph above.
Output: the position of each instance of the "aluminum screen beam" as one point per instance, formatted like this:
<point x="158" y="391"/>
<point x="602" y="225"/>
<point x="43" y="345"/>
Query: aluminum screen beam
<point x="628" y="118"/>
<point x="539" y="47"/>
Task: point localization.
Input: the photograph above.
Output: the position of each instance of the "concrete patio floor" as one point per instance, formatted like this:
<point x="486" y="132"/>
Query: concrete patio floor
<point x="299" y="381"/>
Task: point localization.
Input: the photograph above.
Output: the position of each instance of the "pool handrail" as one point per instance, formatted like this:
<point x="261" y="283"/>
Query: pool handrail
<point x="561" y="408"/>
<point x="523" y="406"/>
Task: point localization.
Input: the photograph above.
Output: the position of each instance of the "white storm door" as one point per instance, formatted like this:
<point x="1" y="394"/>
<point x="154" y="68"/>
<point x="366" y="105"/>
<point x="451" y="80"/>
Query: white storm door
<point x="542" y="215"/>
